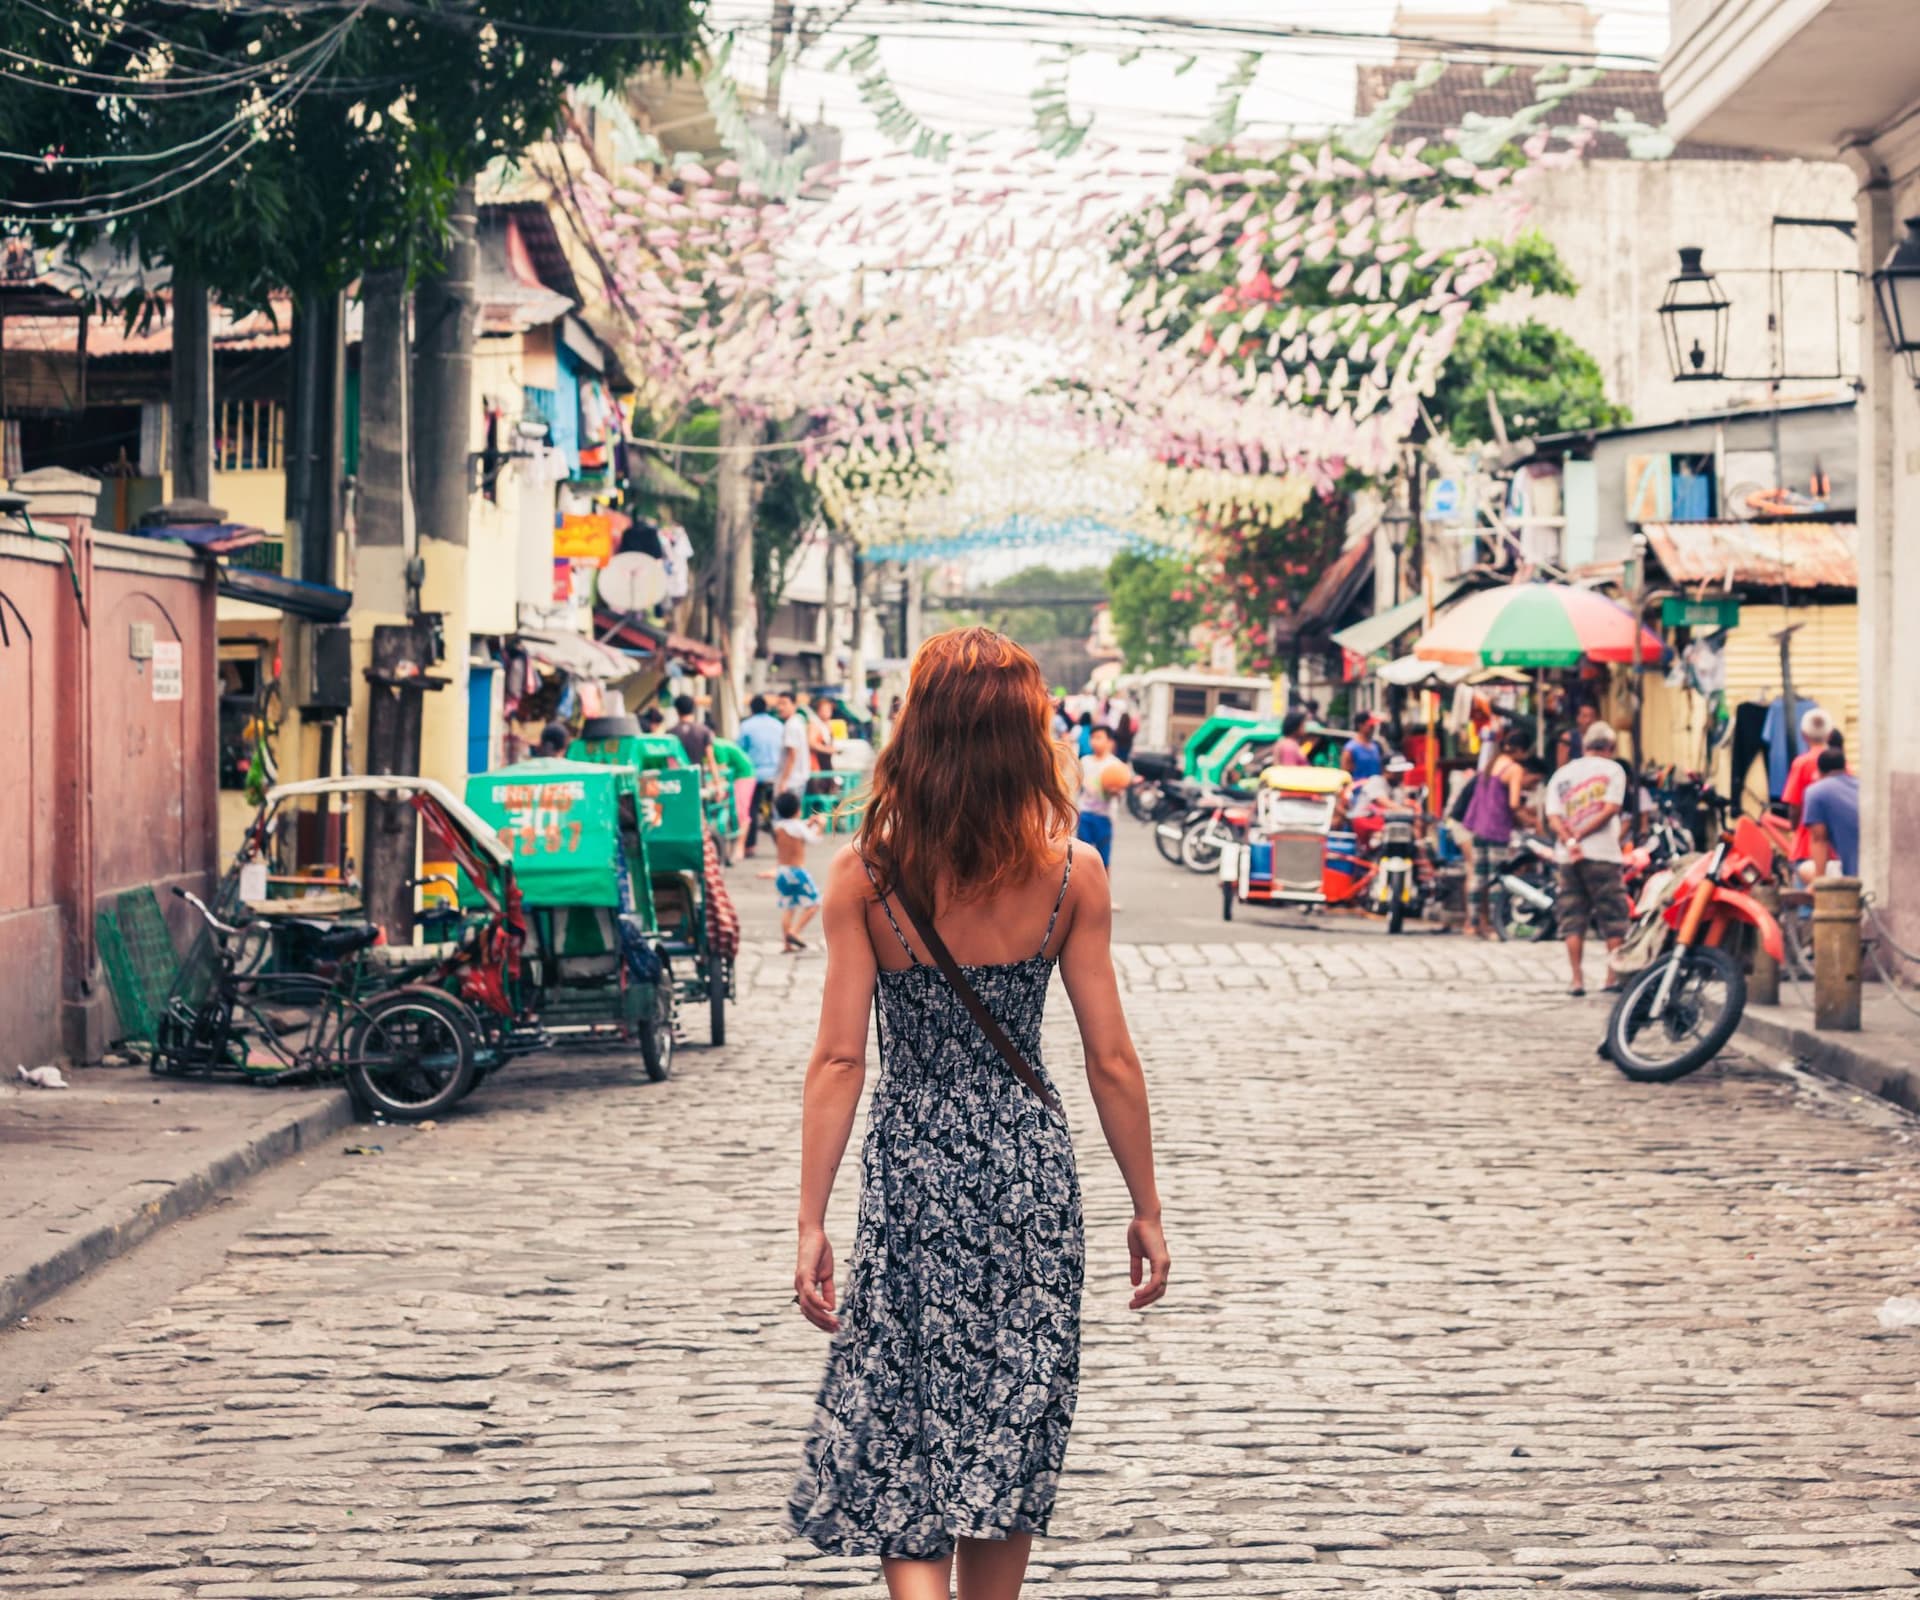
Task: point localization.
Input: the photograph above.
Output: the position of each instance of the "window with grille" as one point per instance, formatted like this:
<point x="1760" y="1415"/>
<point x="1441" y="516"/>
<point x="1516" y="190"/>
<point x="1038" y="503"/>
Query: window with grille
<point x="246" y="436"/>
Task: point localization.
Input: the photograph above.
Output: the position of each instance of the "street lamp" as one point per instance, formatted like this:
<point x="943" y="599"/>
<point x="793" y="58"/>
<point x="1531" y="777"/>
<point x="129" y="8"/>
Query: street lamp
<point x="1693" y="315"/>
<point x="1897" y="287"/>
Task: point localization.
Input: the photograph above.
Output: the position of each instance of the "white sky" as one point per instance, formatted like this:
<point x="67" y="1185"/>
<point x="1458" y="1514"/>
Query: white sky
<point x="965" y="76"/>
<point x="970" y="77"/>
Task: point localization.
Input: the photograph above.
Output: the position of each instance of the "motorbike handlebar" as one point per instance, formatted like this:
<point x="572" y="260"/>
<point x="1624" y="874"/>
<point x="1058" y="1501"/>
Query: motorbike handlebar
<point x="226" y="930"/>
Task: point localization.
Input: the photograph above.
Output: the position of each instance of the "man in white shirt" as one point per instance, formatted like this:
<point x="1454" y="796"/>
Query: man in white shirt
<point x="1583" y="808"/>
<point x="796" y="759"/>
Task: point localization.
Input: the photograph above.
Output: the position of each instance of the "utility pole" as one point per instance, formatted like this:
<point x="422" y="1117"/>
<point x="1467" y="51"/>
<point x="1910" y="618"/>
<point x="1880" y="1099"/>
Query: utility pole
<point x="733" y="524"/>
<point x="445" y="313"/>
<point x="190" y="449"/>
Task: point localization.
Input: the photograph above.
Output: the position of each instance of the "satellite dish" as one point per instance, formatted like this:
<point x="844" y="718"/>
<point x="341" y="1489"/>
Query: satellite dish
<point x="631" y="583"/>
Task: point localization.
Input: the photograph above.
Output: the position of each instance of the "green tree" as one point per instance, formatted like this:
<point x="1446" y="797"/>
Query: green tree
<point x="1155" y="606"/>
<point x="261" y="147"/>
<point x="1037" y="605"/>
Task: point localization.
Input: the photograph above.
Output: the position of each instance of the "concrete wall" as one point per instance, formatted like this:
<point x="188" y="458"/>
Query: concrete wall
<point x="1619" y="226"/>
<point x="1828" y="437"/>
<point x="107" y="788"/>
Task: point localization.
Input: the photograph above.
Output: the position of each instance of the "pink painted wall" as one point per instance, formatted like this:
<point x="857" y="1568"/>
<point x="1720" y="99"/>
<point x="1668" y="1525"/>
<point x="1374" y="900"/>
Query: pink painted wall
<point x="99" y="791"/>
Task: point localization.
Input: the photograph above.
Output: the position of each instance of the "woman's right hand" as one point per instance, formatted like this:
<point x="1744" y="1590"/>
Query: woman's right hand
<point x="1147" y="1248"/>
<point x="813" y="1279"/>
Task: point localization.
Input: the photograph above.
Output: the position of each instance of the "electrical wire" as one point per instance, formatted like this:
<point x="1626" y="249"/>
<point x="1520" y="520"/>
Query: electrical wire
<point x="293" y="87"/>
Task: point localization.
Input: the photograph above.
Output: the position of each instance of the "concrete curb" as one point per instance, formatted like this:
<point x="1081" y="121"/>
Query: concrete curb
<point x="115" y="1226"/>
<point x="1836" y="1055"/>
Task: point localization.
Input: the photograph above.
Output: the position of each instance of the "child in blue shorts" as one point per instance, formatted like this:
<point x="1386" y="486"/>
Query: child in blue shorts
<point x="798" y="894"/>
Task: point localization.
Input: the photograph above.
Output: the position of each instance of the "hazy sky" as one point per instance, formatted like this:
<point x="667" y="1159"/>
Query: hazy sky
<point x="971" y="72"/>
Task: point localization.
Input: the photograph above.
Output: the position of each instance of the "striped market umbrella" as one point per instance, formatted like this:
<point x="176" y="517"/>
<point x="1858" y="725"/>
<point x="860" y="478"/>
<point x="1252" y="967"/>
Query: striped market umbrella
<point x="1536" y="625"/>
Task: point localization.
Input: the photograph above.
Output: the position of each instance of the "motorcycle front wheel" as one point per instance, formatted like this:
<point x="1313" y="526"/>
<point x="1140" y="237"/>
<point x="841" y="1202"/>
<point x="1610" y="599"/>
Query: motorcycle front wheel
<point x="1143" y="800"/>
<point x="1200" y="848"/>
<point x="1709" y="993"/>
<point x="1168" y="834"/>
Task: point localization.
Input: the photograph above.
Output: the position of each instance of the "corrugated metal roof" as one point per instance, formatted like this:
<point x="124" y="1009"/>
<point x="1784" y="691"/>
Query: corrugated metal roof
<point x="1798" y="555"/>
<point x="1463" y="90"/>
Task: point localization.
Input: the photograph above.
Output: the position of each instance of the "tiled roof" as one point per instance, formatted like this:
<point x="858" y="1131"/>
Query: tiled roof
<point x="1462" y="88"/>
<point x="1800" y="555"/>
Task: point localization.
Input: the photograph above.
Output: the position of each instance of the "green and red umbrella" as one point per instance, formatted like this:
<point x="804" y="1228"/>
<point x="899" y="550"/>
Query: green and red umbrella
<point x="1537" y="625"/>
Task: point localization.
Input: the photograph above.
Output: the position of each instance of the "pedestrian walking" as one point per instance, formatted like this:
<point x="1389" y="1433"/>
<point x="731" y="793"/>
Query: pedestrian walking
<point x="820" y="740"/>
<point x="695" y="737"/>
<point x="1102" y="776"/>
<point x="943" y="1419"/>
<point x="796" y="763"/>
<point x="1495" y="806"/>
<point x="1816" y="733"/>
<point x="760" y="737"/>
<point x="794" y="887"/>
<point x="1583" y="807"/>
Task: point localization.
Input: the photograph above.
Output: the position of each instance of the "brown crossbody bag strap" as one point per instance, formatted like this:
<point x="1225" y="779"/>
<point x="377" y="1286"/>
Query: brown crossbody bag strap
<point x="976" y="1007"/>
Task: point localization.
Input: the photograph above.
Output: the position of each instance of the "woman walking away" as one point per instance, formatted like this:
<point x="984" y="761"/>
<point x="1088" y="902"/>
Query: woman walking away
<point x="950" y="1385"/>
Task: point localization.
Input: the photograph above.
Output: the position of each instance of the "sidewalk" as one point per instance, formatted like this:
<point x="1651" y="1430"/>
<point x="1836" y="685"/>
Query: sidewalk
<point x="86" y="1173"/>
<point x="1883" y="1058"/>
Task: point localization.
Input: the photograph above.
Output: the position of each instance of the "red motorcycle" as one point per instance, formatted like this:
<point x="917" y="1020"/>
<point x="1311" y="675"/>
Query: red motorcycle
<point x="1677" y="1012"/>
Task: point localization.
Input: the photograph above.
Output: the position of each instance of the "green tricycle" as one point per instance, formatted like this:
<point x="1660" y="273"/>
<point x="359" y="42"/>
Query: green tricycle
<point x="593" y="968"/>
<point x="699" y="932"/>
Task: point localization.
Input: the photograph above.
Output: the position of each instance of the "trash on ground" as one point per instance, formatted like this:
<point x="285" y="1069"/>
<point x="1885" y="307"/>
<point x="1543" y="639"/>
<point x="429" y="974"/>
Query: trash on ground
<point x="42" y="1077"/>
<point x="364" y="1150"/>
<point x="1900" y="1311"/>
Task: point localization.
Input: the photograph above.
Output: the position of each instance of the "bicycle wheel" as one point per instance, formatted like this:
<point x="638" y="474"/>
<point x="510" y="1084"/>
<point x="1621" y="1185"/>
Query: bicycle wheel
<point x="656" y="1041"/>
<point x="1168" y="833"/>
<point x="409" y="1054"/>
<point x="1709" y="993"/>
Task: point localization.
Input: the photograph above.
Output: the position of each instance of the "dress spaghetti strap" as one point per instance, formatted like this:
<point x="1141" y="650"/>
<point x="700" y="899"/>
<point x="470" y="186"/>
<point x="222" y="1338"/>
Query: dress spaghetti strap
<point x="1058" y="901"/>
<point x="893" y="923"/>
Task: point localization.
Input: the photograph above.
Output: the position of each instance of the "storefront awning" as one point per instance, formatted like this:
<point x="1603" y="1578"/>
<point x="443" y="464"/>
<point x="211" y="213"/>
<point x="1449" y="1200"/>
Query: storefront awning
<point x="312" y="602"/>
<point x="1799" y="555"/>
<point x="1375" y="635"/>
<point x="576" y="655"/>
<point x="631" y="633"/>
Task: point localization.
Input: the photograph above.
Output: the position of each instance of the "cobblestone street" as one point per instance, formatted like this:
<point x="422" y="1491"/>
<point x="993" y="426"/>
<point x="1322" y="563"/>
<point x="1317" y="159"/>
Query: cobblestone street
<point x="1456" y="1311"/>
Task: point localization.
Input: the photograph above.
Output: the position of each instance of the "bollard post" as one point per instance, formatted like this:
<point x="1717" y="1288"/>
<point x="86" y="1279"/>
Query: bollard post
<point x="1763" y="986"/>
<point x="1836" y="954"/>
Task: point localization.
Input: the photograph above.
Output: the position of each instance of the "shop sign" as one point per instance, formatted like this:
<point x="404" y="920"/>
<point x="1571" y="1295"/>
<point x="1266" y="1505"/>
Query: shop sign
<point x="169" y="670"/>
<point x="1676" y="612"/>
<point x="584" y="537"/>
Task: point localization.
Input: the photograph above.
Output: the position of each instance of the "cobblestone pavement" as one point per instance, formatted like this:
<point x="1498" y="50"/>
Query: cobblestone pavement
<point x="1456" y="1311"/>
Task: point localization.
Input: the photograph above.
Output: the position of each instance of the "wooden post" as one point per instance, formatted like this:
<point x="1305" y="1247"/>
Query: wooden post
<point x="1763" y="985"/>
<point x="1836" y="954"/>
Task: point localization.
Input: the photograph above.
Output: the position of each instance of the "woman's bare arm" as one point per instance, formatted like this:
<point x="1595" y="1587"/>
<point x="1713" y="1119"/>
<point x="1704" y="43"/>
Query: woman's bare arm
<point x="835" y="1072"/>
<point x="1113" y="1067"/>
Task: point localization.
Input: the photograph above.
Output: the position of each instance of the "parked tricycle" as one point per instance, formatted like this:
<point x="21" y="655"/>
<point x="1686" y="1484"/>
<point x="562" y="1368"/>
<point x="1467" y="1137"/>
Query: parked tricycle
<point x="699" y="933"/>
<point x="593" y="966"/>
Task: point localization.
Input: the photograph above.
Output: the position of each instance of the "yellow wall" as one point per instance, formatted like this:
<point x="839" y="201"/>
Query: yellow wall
<point x="1826" y="669"/>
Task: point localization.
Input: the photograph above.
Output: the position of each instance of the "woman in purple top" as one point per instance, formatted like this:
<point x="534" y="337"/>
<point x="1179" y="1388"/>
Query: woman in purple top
<point x="1497" y="800"/>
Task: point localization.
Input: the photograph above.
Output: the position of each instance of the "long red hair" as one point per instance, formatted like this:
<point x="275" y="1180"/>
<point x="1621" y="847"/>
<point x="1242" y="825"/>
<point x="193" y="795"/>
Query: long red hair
<point x="971" y="794"/>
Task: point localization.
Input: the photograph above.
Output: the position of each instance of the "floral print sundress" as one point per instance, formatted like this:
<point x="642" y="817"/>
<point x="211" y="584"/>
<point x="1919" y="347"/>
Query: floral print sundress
<point x="950" y="1386"/>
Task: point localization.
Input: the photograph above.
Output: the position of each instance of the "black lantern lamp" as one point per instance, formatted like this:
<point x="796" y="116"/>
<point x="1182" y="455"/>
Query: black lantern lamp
<point x="1897" y="287"/>
<point x="1693" y="314"/>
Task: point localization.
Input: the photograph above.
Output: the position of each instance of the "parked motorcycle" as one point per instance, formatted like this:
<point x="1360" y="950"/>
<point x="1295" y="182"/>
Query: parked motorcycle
<point x="1522" y="900"/>
<point x="1219" y="824"/>
<point x="1682" y="969"/>
<point x="1397" y="890"/>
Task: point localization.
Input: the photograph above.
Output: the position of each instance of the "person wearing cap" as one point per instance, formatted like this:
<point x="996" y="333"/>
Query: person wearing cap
<point x="1584" y="799"/>
<point x="1372" y="800"/>
<point x="1362" y="758"/>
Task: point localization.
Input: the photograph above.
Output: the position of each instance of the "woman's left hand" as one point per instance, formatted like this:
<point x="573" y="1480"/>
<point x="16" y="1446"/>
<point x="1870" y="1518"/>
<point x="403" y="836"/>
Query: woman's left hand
<point x="1147" y="1248"/>
<point x="813" y="1280"/>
